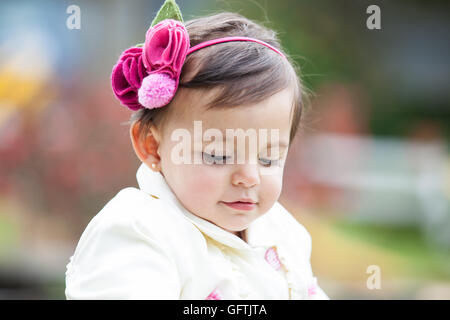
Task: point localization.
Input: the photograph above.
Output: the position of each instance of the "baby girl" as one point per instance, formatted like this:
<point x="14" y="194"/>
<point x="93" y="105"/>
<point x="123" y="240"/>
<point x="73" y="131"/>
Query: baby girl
<point x="205" y="222"/>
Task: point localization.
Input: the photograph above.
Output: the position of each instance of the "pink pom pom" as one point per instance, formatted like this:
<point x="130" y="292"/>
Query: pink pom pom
<point x="157" y="90"/>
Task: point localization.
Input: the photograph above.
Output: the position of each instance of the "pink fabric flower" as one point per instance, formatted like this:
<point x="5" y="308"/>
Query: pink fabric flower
<point x="159" y="61"/>
<point x="165" y="48"/>
<point x="127" y="76"/>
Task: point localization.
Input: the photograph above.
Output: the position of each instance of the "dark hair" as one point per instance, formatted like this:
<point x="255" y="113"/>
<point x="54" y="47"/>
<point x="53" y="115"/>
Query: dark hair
<point x="244" y="72"/>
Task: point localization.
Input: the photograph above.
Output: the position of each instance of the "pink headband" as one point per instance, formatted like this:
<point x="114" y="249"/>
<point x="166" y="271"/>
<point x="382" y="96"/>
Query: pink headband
<point x="228" y="39"/>
<point x="147" y="76"/>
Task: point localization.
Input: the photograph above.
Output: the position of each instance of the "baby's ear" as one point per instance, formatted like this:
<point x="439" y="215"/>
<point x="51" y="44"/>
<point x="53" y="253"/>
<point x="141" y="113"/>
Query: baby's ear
<point x="145" y="146"/>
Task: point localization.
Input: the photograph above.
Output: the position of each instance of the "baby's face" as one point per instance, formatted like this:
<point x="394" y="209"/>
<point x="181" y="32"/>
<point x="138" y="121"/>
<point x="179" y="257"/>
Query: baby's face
<point x="211" y="190"/>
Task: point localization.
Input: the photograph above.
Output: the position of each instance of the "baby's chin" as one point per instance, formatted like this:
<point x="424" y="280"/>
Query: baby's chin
<point x="230" y="220"/>
<point x="235" y="224"/>
<point x="238" y="221"/>
<point x="230" y="224"/>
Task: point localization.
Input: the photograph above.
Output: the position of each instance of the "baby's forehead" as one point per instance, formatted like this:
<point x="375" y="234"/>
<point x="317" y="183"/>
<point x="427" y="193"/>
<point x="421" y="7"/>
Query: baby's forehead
<point x="193" y="106"/>
<point x="191" y="102"/>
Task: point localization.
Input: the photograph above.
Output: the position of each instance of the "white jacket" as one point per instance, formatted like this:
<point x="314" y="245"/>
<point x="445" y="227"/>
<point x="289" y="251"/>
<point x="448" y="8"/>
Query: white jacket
<point x="144" y="244"/>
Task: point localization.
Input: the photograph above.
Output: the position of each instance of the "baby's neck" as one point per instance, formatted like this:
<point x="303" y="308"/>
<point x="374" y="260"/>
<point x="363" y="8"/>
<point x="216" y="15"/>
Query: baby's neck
<point x="242" y="234"/>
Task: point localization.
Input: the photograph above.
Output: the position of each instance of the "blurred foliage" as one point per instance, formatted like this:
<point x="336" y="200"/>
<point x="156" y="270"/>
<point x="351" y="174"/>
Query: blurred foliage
<point x="330" y="42"/>
<point x="421" y="258"/>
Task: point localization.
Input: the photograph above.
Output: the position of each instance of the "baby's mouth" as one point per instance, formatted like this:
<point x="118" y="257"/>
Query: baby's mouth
<point x="241" y="205"/>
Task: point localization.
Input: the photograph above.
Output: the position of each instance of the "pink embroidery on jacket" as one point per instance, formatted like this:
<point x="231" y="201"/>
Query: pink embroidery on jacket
<point x="271" y="257"/>
<point x="312" y="288"/>
<point x="214" y="295"/>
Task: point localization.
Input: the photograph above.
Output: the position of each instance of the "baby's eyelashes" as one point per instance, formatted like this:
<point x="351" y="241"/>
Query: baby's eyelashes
<point x="269" y="162"/>
<point x="214" y="159"/>
<point x="220" y="159"/>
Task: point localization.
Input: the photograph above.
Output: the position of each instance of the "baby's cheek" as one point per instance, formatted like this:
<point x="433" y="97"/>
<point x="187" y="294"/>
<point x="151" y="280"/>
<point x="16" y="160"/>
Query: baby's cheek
<point x="203" y="185"/>
<point x="270" y="191"/>
<point x="205" y="180"/>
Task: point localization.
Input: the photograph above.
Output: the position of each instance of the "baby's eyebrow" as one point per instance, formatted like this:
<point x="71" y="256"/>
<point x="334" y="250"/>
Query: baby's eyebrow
<point x="281" y="144"/>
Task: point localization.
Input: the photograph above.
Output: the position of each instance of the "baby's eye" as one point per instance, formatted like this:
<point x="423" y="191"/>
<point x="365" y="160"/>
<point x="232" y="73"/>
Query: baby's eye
<point x="268" y="162"/>
<point x="213" y="159"/>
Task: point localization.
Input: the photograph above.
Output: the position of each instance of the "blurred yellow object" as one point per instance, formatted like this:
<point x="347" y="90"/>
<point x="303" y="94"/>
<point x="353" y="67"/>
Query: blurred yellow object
<point x="26" y="82"/>
<point x="22" y="93"/>
<point x="17" y="90"/>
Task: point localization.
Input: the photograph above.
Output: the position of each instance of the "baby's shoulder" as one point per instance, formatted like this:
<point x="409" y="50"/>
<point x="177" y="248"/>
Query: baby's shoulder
<point x="136" y="210"/>
<point x="134" y="221"/>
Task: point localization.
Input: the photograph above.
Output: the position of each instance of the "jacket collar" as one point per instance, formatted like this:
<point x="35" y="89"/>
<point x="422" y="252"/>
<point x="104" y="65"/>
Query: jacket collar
<point x="154" y="183"/>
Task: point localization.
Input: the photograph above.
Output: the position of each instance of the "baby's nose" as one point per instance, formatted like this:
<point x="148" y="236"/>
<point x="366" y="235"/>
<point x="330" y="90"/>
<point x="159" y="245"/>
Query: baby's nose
<point x="246" y="175"/>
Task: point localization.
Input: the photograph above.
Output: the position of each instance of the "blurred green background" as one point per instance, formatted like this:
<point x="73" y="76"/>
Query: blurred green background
<point x="368" y="176"/>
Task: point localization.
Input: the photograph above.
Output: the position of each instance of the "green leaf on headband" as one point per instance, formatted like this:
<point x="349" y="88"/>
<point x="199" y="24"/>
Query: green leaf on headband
<point x="139" y="45"/>
<point x="169" y="10"/>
